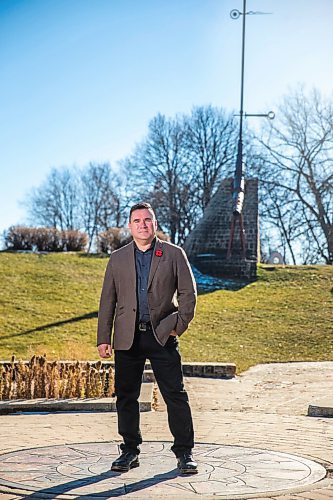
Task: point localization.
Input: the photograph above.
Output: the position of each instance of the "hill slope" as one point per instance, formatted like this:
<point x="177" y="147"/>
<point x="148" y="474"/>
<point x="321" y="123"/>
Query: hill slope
<point x="49" y="305"/>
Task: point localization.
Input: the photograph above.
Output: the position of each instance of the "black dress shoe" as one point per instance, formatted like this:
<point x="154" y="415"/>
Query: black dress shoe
<point x="127" y="460"/>
<point x="186" y="464"/>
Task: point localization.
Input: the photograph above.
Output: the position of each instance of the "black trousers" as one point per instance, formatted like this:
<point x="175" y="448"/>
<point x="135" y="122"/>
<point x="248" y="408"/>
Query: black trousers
<point x="166" y="364"/>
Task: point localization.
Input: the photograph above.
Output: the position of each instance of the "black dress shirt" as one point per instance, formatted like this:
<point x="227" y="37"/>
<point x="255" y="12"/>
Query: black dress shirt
<point x="142" y="265"/>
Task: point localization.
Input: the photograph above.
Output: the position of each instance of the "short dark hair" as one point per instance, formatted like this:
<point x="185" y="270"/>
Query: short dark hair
<point x="140" y="206"/>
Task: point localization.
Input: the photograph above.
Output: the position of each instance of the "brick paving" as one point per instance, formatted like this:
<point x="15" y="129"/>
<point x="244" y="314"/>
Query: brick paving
<point x="265" y="408"/>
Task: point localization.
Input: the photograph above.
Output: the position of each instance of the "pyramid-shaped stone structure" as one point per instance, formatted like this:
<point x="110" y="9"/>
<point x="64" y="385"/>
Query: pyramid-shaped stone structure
<point x="207" y="245"/>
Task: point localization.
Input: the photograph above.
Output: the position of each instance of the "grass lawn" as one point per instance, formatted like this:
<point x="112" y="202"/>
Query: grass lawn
<point x="49" y="305"/>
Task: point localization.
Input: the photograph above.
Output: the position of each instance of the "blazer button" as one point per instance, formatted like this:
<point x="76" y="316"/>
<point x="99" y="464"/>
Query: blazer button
<point x="134" y="310"/>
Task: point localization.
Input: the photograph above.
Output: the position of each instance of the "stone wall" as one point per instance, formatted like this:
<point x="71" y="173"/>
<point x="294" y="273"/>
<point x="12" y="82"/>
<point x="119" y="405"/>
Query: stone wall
<point x="207" y="244"/>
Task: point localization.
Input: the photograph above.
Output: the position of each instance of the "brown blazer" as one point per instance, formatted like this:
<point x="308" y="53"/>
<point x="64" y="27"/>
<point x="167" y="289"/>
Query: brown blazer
<point x="171" y="295"/>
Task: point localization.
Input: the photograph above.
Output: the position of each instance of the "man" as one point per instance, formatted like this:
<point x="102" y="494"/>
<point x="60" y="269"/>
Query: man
<point x="148" y="298"/>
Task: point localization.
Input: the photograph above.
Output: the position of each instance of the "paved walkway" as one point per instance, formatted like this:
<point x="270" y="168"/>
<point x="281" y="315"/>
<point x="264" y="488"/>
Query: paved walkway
<point x="236" y="421"/>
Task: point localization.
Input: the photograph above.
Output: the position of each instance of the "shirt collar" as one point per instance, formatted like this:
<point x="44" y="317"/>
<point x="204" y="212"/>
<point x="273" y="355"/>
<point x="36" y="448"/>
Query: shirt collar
<point x="148" y="249"/>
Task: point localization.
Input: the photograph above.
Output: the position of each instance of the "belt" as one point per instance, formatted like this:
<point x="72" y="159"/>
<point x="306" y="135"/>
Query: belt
<point x="144" y="327"/>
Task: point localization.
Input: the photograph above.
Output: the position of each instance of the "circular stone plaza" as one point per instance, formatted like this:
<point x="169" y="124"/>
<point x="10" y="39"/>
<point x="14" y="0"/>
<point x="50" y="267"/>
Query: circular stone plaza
<point x="255" y="438"/>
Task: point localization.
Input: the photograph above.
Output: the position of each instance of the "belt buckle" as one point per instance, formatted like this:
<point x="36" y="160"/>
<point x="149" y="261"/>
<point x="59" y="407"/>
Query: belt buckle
<point x="142" y="327"/>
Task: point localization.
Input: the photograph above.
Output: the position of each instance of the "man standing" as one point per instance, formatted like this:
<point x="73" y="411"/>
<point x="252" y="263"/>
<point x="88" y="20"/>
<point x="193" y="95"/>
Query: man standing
<point x="148" y="299"/>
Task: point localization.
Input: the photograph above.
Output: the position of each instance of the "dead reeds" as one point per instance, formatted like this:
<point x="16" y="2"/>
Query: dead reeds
<point x="40" y="378"/>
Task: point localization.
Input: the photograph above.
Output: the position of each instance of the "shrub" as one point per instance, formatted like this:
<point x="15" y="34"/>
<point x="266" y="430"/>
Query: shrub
<point x="74" y="241"/>
<point x="112" y="239"/>
<point x="19" y="238"/>
<point x="162" y="236"/>
<point x="116" y="237"/>
<point x="44" y="239"/>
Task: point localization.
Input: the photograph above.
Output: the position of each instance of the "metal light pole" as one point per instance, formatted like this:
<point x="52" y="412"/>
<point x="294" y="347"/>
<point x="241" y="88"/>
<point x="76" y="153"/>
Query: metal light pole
<point x="239" y="181"/>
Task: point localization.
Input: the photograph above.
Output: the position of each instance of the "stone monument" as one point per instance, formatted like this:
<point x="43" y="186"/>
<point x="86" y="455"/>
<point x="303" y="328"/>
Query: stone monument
<point x="207" y="245"/>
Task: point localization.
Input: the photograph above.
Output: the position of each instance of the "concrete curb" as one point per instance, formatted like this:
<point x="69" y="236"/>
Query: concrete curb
<point x="74" y="405"/>
<point x="204" y="370"/>
<point x="190" y="369"/>
<point x="210" y="370"/>
<point x="195" y="369"/>
<point x="321" y="410"/>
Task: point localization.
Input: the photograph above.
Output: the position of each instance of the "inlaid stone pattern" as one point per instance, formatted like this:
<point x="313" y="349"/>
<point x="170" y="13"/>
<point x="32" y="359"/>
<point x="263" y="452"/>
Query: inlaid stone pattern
<point x="84" y="469"/>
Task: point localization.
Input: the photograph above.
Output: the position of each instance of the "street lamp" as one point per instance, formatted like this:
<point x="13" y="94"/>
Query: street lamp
<point x="239" y="181"/>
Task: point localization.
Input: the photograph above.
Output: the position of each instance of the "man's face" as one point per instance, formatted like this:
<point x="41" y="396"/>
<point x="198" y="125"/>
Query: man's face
<point x="143" y="225"/>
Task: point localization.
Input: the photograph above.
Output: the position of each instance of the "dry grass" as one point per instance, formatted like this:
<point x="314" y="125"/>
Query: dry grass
<point x="53" y="380"/>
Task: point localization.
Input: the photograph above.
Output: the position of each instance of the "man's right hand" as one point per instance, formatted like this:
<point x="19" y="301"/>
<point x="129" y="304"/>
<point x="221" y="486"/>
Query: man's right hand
<point x="104" y="350"/>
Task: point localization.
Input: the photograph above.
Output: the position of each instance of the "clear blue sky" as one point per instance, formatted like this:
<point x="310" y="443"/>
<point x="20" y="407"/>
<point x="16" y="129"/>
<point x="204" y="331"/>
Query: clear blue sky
<point x="80" y="79"/>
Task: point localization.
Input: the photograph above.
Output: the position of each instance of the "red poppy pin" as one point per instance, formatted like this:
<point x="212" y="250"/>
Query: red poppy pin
<point x="158" y="253"/>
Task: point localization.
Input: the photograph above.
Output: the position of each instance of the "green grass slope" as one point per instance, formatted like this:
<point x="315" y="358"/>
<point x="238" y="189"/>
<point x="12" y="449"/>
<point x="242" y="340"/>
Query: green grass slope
<point x="49" y="305"/>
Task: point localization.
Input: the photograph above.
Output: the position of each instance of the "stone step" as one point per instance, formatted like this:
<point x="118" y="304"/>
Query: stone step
<point x="73" y="405"/>
<point x="206" y="370"/>
<point x="211" y="370"/>
<point x="321" y="408"/>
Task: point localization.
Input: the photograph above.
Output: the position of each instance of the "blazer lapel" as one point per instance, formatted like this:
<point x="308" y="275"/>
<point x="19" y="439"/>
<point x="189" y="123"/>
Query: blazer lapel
<point x="155" y="260"/>
<point x="130" y="266"/>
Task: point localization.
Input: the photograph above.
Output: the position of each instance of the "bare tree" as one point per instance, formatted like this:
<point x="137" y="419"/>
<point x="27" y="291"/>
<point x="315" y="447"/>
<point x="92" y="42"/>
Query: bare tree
<point x="160" y="171"/>
<point x="89" y="199"/>
<point x="101" y="199"/>
<point x="180" y="164"/>
<point x="297" y="172"/>
<point x="56" y="202"/>
<point x="277" y="215"/>
<point x="211" y="141"/>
